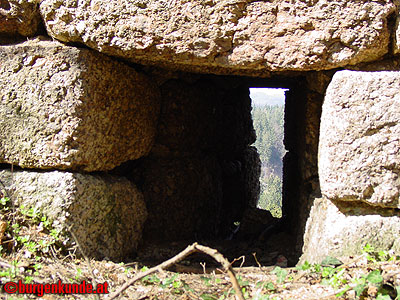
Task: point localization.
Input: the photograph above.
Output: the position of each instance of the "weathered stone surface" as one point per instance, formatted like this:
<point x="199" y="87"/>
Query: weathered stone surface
<point x="359" y="151"/>
<point x="107" y="212"/>
<point x="69" y="108"/>
<point x="230" y="36"/>
<point x="345" y="231"/>
<point x="183" y="197"/>
<point x="19" y="17"/>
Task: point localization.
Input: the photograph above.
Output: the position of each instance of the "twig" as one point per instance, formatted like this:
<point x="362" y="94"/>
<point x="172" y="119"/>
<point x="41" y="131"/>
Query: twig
<point x="203" y="265"/>
<point x="225" y="263"/>
<point x="242" y="258"/>
<point x="255" y="258"/>
<point x="265" y="270"/>
<point x="86" y="259"/>
<point x="177" y="258"/>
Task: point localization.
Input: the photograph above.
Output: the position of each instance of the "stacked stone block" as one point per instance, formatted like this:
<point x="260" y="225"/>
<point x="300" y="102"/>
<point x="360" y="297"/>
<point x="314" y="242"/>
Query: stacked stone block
<point x="71" y="109"/>
<point x="105" y="213"/>
<point x="359" y="167"/>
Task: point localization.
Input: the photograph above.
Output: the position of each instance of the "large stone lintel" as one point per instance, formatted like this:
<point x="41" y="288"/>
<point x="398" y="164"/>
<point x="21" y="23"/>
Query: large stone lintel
<point x="227" y="37"/>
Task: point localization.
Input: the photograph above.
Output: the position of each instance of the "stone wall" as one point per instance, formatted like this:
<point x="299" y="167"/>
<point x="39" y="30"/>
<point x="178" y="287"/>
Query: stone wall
<point x="73" y="109"/>
<point x="105" y="213"/>
<point x="359" y="166"/>
<point x="232" y="36"/>
<point x="183" y="140"/>
<point x="70" y="108"/>
<point x="130" y="88"/>
<point x="19" y="18"/>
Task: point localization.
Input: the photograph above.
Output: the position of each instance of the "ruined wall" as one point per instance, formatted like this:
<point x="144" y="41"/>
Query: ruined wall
<point x="134" y="95"/>
<point x="71" y="109"/>
<point x="358" y="166"/>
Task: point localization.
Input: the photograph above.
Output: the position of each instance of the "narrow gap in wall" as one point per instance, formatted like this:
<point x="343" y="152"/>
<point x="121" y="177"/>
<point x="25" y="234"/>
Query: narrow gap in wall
<point x="268" y="109"/>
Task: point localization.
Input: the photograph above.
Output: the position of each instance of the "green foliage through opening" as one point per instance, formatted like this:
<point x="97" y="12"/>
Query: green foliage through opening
<point x="268" y="122"/>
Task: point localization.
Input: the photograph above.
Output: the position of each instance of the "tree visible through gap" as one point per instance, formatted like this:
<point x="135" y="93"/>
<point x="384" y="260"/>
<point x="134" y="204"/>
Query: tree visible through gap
<point x="269" y="123"/>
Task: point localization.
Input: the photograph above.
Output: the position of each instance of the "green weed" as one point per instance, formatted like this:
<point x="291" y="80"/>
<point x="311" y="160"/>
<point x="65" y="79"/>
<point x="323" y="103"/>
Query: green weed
<point x="334" y="275"/>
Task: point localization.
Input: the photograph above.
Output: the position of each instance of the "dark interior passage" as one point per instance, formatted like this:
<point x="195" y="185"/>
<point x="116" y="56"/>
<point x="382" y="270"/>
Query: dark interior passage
<point x="202" y="177"/>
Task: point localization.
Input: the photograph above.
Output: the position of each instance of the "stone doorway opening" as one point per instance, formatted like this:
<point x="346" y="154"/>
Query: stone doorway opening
<point x="202" y="178"/>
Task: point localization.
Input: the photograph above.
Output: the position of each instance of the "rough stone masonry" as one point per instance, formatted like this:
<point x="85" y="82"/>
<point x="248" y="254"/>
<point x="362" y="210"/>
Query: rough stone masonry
<point x="129" y="87"/>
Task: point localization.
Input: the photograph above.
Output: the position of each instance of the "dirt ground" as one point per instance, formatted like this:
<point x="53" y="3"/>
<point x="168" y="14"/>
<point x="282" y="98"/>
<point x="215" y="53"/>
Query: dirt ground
<point x="198" y="276"/>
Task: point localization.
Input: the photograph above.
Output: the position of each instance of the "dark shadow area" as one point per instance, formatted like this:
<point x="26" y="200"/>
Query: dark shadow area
<point x="364" y="209"/>
<point x="201" y="178"/>
<point x="5" y="166"/>
<point x="5" y="5"/>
